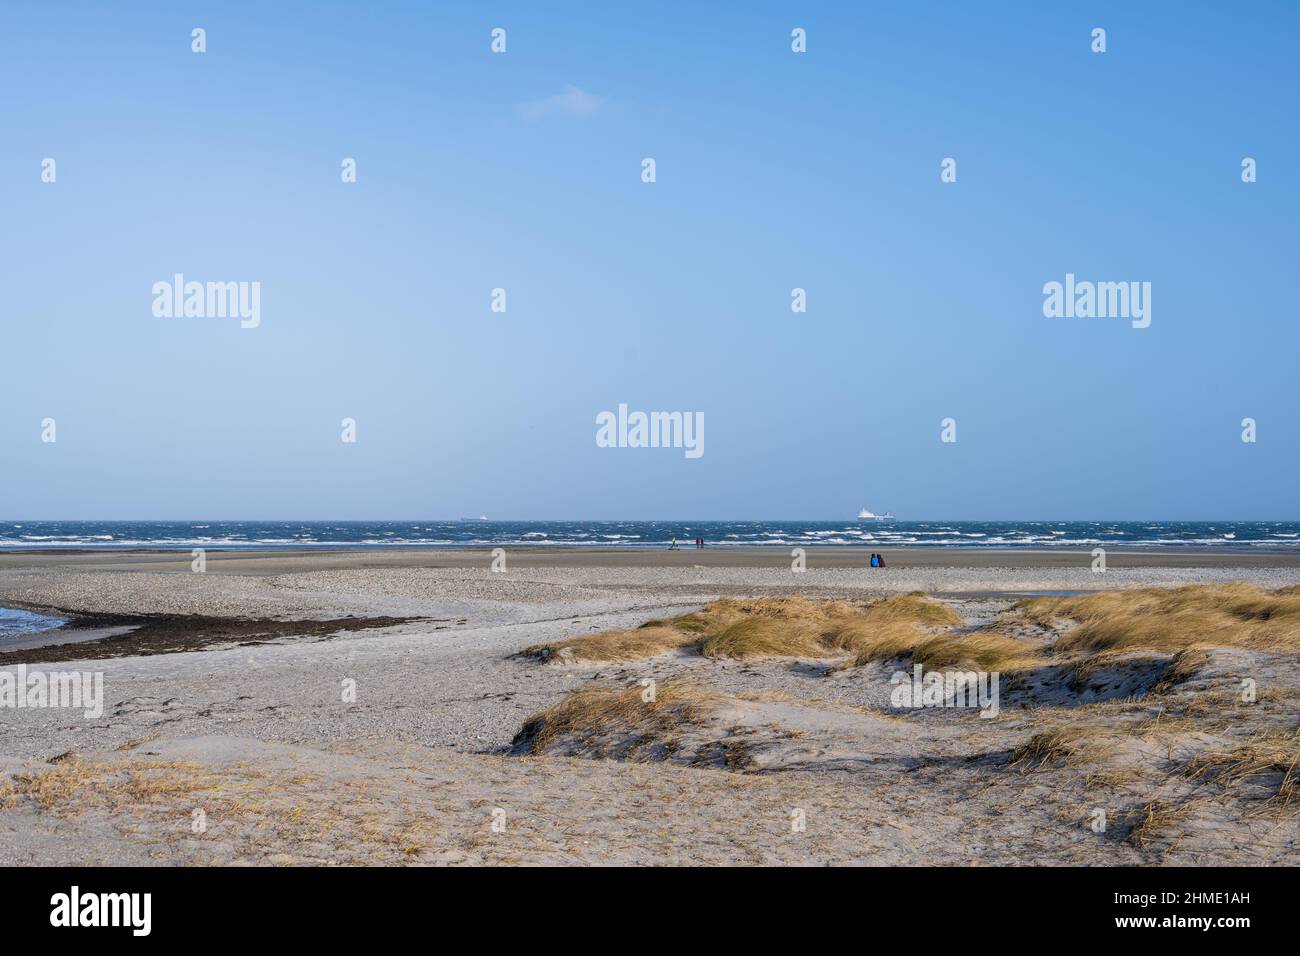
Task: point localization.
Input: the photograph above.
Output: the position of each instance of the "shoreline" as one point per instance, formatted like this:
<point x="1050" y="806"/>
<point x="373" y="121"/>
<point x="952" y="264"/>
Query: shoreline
<point x="103" y="636"/>
<point x="265" y="561"/>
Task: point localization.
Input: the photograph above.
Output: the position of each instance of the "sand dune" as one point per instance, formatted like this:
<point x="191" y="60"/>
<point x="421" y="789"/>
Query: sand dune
<point x="445" y="754"/>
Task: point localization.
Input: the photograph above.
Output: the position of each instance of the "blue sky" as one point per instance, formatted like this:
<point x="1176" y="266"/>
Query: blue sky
<point x="522" y="171"/>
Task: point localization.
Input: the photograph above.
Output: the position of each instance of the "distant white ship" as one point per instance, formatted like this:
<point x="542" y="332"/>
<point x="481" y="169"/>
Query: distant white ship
<point x="865" y="515"/>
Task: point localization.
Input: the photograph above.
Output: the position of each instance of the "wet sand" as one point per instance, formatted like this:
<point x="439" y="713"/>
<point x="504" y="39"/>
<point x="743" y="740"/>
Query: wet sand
<point x="103" y="637"/>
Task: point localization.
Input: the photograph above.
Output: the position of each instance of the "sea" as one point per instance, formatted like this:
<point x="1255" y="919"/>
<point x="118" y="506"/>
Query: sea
<point x="475" y="533"/>
<point x="14" y="622"/>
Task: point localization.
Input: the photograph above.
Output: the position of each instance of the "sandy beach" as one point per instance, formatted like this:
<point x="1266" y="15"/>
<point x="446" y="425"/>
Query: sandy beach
<point x="367" y="707"/>
<point x="558" y="436"/>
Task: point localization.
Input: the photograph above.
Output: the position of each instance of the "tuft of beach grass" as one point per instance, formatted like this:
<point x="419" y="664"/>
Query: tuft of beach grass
<point x="605" y="713"/>
<point x="1174" y="619"/>
<point x="768" y="627"/>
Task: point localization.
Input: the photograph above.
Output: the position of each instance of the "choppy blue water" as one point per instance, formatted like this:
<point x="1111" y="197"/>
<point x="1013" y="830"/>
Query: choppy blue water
<point x="13" y="621"/>
<point x="183" y="535"/>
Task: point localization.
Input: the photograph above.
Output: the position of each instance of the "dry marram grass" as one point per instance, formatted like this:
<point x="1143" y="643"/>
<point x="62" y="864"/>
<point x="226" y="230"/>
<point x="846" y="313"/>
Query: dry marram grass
<point x="1055" y="744"/>
<point x="1267" y="758"/>
<point x="1174" y="619"/>
<point x="769" y="627"/>
<point x="591" y="714"/>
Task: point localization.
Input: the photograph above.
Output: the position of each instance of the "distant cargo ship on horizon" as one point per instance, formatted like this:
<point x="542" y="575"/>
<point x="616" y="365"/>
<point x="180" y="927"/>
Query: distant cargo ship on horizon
<point x="865" y="515"/>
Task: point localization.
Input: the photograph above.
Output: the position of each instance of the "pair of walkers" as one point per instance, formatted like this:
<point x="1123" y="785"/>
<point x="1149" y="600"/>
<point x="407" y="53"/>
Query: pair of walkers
<point x="877" y="560"/>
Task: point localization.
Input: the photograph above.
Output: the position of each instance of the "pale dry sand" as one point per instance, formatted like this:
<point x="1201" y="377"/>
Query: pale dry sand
<point x="260" y="739"/>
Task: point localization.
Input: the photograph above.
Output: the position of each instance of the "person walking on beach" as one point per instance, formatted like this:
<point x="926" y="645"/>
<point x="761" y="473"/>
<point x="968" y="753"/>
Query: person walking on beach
<point x="875" y="558"/>
<point x="699" y="542"/>
<point x="880" y="560"/>
<point x="673" y="546"/>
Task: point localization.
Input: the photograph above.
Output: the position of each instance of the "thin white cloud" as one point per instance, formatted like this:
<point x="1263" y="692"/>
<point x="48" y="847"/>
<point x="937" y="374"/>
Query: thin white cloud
<point x="572" y="102"/>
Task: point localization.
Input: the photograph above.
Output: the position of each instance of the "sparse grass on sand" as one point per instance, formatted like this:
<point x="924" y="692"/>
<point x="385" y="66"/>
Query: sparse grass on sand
<point x="73" y="784"/>
<point x="626" y="714"/>
<point x="1267" y="758"/>
<point x="1174" y="619"/>
<point x="1055" y="744"/>
<point x="769" y="627"/>
<point x="1151" y="823"/>
<point x="253" y="807"/>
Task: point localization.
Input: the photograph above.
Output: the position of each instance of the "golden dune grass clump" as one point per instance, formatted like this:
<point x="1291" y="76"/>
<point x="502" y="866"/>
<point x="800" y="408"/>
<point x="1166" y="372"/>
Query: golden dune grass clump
<point x="1185" y="665"/>
<point x="767" y="637"/>
<point x="768" y="627"/>
<point x="1186" y="622"/>
<point x="613" y="713"/>
<point x="914" y="608"/>
<point x="651" y="640"/>
<point x="1173" y="619"/>
<point x="987" y="652"/>
<point x="885" y="628"/>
